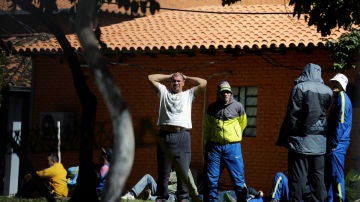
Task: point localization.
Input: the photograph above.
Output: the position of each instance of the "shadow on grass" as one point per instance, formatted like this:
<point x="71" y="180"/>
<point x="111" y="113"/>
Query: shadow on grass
<point x="13" y="199"/>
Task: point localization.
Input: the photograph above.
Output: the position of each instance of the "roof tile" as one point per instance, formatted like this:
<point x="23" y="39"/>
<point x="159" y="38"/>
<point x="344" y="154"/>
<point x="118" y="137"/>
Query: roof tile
<point x="243" y="26"/>
<point x="17" y="71"/>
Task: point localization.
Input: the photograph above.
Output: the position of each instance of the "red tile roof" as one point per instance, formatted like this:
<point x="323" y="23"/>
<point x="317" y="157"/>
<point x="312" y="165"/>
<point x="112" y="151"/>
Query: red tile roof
<point x="17" y="71"/>
<point x="177" y="4"/>
<point x="167" y="5"/>
<point x="236" y="26"/>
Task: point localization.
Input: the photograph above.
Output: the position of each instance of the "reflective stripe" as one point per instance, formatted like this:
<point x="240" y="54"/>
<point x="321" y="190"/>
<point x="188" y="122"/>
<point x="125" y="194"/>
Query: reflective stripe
<point x="276" y="187"/>
<point x="342" y="119"/>
<point x="340" y="193"/>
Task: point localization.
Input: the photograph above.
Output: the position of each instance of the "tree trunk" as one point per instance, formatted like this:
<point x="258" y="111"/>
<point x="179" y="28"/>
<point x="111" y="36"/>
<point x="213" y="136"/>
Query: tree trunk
<point x="123" y="134"/>
<point x="85" y="190"/>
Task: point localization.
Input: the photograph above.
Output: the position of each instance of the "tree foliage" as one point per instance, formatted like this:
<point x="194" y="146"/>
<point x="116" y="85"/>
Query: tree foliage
<point x="346" y="50"/>
<point x="136" y="7"/>
<point x="327" y="15"/>
<point x="229" y="2"/>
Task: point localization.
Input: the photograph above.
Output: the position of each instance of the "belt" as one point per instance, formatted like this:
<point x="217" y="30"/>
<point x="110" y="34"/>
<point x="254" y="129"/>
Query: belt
<point x="224" y="143"/>
<point x="172" y="129"/>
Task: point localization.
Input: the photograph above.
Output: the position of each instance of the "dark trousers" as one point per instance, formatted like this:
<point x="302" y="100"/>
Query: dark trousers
<point x="303" y="169"/>
<point x="179" y="145"/>
<point x="34" y="189"/>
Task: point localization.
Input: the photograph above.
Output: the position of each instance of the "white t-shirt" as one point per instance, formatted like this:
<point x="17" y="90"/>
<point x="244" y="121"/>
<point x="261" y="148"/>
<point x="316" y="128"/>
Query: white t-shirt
<point x="175" y="109"/>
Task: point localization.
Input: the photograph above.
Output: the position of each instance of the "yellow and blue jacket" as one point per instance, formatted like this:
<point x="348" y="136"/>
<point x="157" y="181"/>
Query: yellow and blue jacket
<point x="224" y="124"/>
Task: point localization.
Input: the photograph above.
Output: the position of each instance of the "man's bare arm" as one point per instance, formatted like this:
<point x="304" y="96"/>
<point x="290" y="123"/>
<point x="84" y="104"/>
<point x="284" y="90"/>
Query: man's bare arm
<point x="155" y="79"/>
<point x="200" y="84"/>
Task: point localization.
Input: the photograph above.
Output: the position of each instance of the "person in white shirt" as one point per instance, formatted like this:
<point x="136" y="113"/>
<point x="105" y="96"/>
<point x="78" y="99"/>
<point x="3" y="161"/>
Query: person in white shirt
<point x="175" y="122"/>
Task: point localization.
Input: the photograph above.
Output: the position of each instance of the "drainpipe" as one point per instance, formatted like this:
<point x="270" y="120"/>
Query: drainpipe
<point x="59" y="141"/>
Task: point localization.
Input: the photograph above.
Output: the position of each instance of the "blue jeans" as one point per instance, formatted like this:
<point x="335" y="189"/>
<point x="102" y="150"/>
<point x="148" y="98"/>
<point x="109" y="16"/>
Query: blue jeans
<point x="146" y="181"/>
<point x="218" y="156"/>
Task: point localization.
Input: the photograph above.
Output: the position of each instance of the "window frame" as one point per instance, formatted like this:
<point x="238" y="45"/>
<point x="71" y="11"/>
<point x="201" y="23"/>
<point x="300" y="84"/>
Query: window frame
<point x="243" y="94"/>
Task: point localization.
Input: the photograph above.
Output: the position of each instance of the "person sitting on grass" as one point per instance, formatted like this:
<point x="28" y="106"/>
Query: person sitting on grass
<point x="279" y="192"/>
<point x="148" y="181"/>
<point x="106" y="155"/>
<point x="73" y="173"/>
<point x="54" y="179"/>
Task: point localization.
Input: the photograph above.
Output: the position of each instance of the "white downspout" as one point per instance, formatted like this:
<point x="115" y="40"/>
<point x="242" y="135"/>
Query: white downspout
<point x="59" y="141"/>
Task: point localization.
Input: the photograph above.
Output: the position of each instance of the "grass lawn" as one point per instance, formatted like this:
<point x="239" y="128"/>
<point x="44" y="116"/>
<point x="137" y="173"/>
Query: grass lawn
<point x="12" y="199"/>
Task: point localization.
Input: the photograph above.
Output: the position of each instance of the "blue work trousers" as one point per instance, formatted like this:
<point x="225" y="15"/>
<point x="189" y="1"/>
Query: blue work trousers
<point x="335" y="177"/>
<point x="280" y="187"/>
<point x="179" y="145"/>
<point x="217" y="157"/>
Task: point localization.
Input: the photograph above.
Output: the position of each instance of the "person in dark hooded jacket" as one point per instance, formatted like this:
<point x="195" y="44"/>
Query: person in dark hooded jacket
<point x="225" y="122"/>
<point x="304" y="131"/>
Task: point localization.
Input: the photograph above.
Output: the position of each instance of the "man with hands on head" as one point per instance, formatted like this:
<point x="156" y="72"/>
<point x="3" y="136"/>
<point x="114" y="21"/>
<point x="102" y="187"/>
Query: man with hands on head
<point x="174" y="122"/>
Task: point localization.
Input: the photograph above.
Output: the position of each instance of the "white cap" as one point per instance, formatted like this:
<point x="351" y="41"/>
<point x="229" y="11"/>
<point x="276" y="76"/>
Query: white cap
<point x="342" y="79"/>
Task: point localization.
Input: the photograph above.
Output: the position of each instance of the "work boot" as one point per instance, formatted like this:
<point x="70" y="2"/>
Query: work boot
<point x="243" y="195"/>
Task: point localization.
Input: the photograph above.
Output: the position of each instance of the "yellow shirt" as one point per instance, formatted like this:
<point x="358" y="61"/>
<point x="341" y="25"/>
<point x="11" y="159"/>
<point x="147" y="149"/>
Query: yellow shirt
<point x="56" y="176"/>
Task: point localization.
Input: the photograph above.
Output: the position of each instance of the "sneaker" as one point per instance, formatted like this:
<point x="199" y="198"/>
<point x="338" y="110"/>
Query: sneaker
<point x="147" y="195"/>
<point x="128" y="196"/>
<point x="228" y="198"/>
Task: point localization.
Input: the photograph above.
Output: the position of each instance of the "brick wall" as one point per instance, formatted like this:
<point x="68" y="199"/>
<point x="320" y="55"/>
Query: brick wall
<point x="273" y="74"/>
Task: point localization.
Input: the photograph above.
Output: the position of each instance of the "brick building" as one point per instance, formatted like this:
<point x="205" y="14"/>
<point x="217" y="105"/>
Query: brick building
<point x="259" y="49"/>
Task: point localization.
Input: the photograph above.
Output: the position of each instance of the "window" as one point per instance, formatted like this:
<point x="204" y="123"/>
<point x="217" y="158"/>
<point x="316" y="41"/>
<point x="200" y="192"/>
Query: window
<point x="248" y="97"/>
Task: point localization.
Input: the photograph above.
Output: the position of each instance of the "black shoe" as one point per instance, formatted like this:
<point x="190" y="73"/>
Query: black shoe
<point x="243" y="195"/>
<point x="147" y="195"/>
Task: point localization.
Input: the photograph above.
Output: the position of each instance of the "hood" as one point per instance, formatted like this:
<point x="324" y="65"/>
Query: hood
<point x="311" y="72"/>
